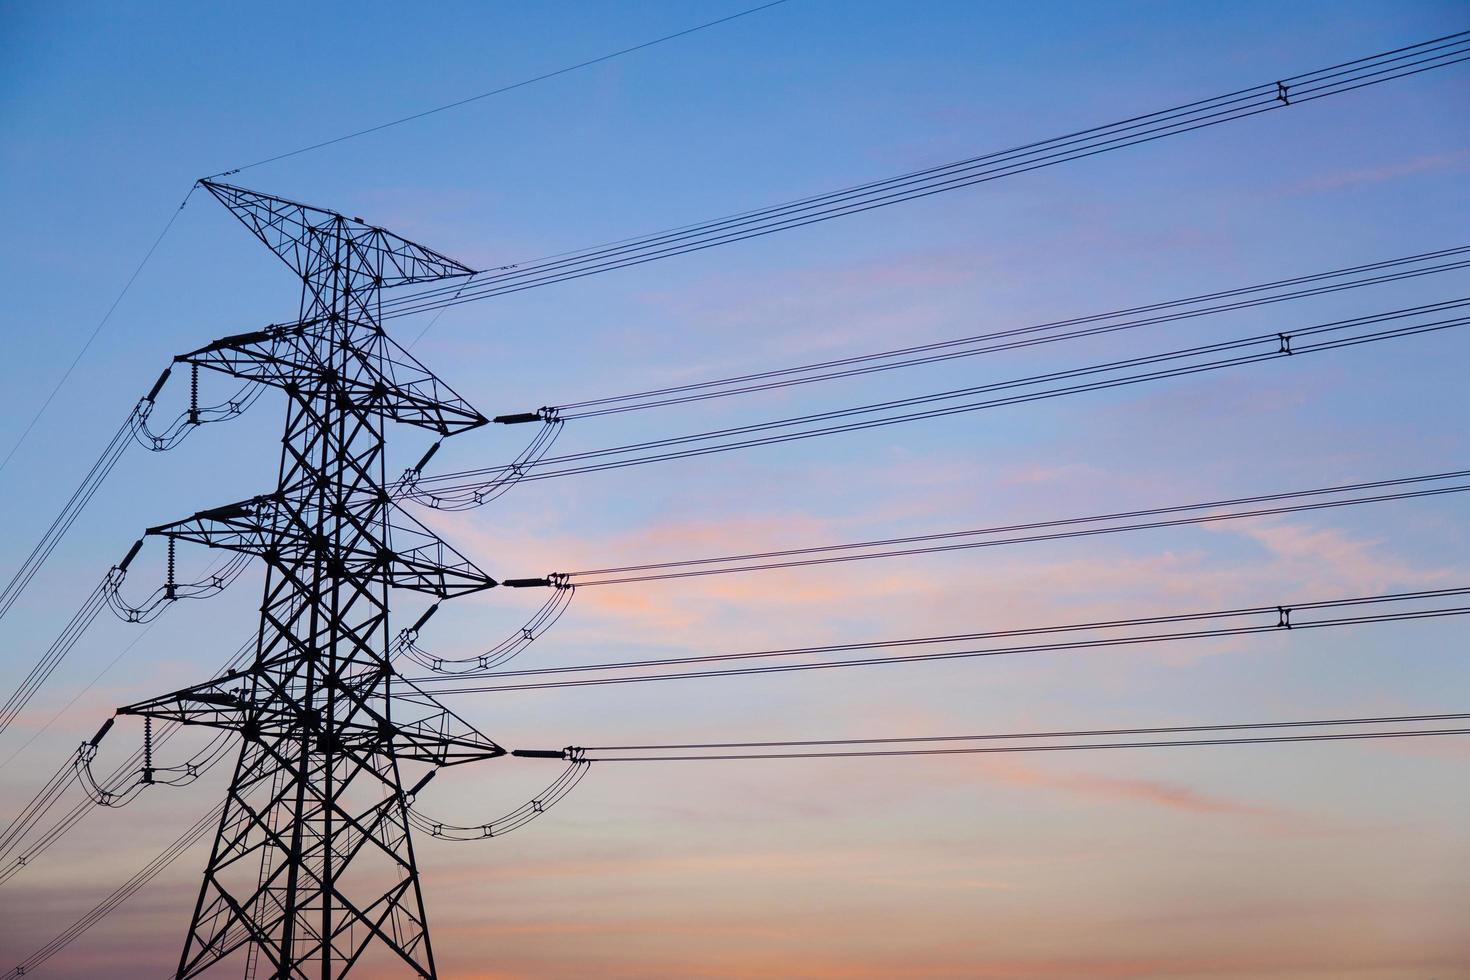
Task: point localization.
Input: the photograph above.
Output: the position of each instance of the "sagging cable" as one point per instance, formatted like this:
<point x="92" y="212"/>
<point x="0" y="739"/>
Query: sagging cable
<point x="506" y="477"/>
<point x="215" y="581"/>
<point x="513" y="645"/>
<point x="515" y="819"/>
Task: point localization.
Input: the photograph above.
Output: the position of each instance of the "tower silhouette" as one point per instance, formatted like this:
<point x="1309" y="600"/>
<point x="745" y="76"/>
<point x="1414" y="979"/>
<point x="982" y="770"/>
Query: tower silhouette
<point x="312" y="868"/>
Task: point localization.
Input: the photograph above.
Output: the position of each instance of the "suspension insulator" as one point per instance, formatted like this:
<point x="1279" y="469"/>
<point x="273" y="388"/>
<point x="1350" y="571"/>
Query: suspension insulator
<point x="122" y="566"/>
<point x="158" y="385"/>
<point x="425" y="617"/>
<point x="527" y="583"/>
<point x="419" y="466"/>
<point x="102" y="732"/>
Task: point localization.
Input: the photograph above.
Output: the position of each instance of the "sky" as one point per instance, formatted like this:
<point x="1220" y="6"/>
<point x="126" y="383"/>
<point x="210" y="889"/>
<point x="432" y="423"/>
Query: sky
<point x="1342" y="860"/>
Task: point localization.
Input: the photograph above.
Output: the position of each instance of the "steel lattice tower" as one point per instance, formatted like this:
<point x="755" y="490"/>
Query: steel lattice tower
<point x="313" y="866"/>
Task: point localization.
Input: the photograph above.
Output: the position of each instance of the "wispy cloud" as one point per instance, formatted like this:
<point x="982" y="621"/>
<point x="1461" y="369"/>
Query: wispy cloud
<point x="1335" y="180"/>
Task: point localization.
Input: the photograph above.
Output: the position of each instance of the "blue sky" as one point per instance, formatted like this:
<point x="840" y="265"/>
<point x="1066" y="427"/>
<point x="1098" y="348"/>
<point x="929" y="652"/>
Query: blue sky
<point x="1332" y="860"/>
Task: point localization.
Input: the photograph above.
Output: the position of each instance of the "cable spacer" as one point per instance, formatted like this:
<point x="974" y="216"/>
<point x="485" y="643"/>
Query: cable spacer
<point x="1281" y="93"/>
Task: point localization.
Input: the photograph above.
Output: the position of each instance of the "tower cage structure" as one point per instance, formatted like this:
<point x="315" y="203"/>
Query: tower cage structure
<point x="312" y="870"/>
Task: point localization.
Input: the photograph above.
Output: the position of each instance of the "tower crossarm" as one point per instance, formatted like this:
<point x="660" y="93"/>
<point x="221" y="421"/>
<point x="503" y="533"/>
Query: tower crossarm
<point x="283" y="532"/>
<point x="417" y="728"/>
<point x="310" y="239"/>
<point x="381" y="378"/>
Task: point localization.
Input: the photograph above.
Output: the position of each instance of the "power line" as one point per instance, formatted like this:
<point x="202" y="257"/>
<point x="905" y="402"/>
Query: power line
<point x="1240" y="350"/>
<point x="459" y="490"/>
<point x="1215" y="624"/>
<point x="1008" y="749"/>
<point x="1266" y="97"/>
<point x="1083" y="733"/>
<point x="1035" y="531"/>
<point x="499" y="91"/>
<point x="1317" y="284"/>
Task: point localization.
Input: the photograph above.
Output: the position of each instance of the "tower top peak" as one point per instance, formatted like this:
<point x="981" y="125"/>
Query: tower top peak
<point x="312" y="240"/>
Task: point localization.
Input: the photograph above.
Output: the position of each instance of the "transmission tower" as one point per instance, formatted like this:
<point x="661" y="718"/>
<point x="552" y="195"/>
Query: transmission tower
<point x="313" y="867"/>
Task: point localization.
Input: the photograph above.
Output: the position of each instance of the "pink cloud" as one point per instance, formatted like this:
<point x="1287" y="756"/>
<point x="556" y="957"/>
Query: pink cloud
<point x="1148" y="792"/>
<point x="1450" y="161"/>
